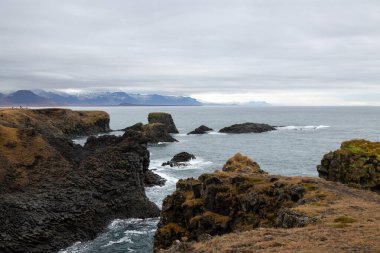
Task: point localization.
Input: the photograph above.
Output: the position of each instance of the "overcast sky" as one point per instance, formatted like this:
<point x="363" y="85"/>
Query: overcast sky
<point x="286" y="52"/>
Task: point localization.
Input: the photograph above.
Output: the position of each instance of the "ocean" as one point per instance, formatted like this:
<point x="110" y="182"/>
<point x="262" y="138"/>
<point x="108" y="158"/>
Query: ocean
<point x="303" y="136"/>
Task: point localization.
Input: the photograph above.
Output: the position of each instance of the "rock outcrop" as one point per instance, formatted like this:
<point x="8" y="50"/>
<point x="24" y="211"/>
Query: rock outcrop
<point x="201" y="130"/>
<point x="244" y="209"/>
<point x="163" y="118"/>
<point x="356" y="163"/>
<point x="247" y="128"/>
<point x="54" y="192"/>
<point x="238" y="198"/>
<point x="180" y="159"/>
<point x="153" y="132"/>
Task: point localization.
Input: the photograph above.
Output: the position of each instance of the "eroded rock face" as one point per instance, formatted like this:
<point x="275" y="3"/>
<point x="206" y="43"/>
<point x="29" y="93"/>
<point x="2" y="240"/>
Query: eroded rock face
<point x="154" y="132"/>
<point x="53" y="192"/>
<point x="240" y="197"/>
<point x="201" y="130"/>
<point x="180" y="159"/>
<point x="163" y="118"/>
<point x="247" y="128"/>
<point x="356" y="163"/>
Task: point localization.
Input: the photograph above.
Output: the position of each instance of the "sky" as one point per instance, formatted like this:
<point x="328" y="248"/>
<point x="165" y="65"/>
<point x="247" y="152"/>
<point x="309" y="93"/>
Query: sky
<point x="285" y="52"/>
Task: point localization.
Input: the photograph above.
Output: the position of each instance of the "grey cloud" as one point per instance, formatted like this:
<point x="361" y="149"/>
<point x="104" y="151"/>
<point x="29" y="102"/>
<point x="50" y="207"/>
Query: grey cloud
<point x="191" y="47"/>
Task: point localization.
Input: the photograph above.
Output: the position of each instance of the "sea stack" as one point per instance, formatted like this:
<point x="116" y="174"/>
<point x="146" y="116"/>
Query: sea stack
<point x="163" y="118"/>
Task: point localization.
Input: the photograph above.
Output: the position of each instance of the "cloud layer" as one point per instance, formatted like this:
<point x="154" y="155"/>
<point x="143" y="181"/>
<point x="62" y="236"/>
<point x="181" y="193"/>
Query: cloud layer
<point x="282" y="51"/>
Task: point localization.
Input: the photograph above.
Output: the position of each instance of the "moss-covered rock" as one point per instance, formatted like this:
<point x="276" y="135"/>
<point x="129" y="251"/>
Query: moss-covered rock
<point x="356" y="163"/>
<point x="238" y="198"/>
<point x="163" y="118"/>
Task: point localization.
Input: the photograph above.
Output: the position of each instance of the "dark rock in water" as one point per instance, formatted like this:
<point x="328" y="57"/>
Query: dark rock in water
<point x="356" y="163"/>
<point x="247" y="128"/>
<point x="154" y="132"/>
<point x="152" y="179"/>
<point x="165" y="119"/>
<point x="183" y="157"/>
<point x="201" y="130"/>
<point x="239" y="198"/>
<point x="54" y="193"/>
<point x="179" y="160"/>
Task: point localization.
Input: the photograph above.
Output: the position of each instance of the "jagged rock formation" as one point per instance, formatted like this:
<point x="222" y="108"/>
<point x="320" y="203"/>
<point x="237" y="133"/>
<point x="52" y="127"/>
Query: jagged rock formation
<point x="153" y="132"/>
<point x="243" y="209"/>
<point x="53" y="192"/>
<point x="180" y="159"/>
<point x="163" y="118"/>
<point x="240" y="197"/>
<point x="201" y="130"/>
<point x="247" y="128"/>
<point x="356" y="163"/>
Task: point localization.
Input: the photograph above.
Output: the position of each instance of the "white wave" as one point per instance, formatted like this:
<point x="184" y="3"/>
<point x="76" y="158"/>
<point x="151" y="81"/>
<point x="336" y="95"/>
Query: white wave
<point x="302" y="128"/>
<point x="121" y="240"/>
<point x="216" y="132"/>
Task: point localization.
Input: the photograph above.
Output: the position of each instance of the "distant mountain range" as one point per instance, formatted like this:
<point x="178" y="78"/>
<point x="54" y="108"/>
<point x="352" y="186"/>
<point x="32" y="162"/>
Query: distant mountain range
<point x="45" y="98"/>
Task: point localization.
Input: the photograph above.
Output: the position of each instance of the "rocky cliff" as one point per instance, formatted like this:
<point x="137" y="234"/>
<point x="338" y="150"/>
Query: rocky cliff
<point x="356" y="163"/>
<point x="241" y="208"/>
<point x="53" y="192"/>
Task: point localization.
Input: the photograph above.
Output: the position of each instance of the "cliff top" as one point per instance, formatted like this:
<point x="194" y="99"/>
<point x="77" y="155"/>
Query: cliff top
<point x="362" y="147"/>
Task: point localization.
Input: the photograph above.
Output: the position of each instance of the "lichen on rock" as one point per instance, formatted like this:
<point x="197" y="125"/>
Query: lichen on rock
<point x="240" y="197"/>
<point x="356" y="163"/>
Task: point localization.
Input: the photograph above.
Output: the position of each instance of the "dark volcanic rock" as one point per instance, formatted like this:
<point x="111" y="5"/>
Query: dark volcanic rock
<point x="356" y="163"/>
<point x="53" y="192"/>
<point x="239" y="198"/>
<point x="201" y="130"/>
<point x="154" y="132"/>
<point x="165" y="119"/>
<point x="247" y="128"/>
<point x="183" y="157"/>
<point x="180" y="159"/>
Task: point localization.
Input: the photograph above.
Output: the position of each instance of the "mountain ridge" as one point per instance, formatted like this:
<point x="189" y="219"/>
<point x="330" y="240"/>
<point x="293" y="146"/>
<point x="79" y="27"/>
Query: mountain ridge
<point x="49" y="98"/>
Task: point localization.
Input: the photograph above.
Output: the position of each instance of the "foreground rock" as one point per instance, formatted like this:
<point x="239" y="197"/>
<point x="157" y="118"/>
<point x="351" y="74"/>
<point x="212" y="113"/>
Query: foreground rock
<point x="154" y="132"/>
<point x="247" y="210"/>
<point x="247" y="128"/>
<point x="180" y="159"/>
<point x="240" y="197"/>
<point x="163" y="118"/>
<point x="201" y="130"/>
<point x="356" y="163"/>
<point x="53" y="192"/>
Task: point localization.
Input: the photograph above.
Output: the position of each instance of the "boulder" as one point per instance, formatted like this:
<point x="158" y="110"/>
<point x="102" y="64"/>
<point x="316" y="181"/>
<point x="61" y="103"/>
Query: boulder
<point x="180" y="159"/>
<point x="201" y="130"/>
<point x="247" y="128"/>
<point x="165" y="119"/>
<point x="356" y="163"/>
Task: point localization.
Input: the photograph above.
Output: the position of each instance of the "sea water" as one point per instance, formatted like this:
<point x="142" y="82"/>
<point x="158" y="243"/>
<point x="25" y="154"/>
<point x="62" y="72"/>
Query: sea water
<point x="303" y="136"/>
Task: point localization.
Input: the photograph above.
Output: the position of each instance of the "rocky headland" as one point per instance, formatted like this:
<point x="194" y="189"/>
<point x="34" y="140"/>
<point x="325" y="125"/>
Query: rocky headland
<point x="247" y="128"/>
<point x="241" y="208"/>
<point x="54" y="192"/>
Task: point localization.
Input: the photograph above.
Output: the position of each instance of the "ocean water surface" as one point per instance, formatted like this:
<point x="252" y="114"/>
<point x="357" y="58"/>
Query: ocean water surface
<point x="303" y="136"/>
